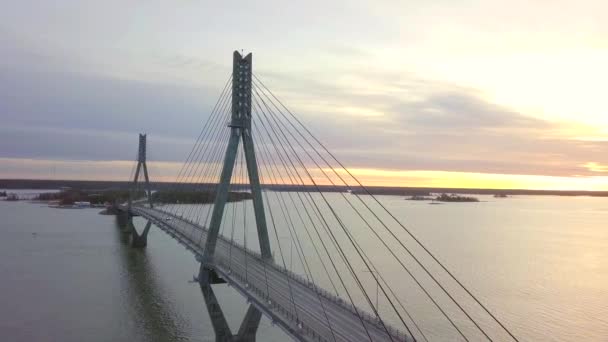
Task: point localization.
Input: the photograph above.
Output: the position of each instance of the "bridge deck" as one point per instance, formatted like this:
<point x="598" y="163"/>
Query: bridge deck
<point x="304" y="311"/>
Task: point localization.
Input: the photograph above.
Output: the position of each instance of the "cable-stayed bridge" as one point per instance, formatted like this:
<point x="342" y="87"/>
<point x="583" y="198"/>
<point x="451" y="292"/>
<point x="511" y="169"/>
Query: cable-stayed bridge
<point x="351" y="270"/>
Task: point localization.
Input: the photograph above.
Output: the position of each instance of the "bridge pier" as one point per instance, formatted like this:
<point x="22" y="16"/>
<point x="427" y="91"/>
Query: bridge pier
<point x="124" y="222"/>
<point x="220" y="325"/>
<point x="140" y="240"/>
<point x="249" y="326"/>
<point x="207" y="276"/>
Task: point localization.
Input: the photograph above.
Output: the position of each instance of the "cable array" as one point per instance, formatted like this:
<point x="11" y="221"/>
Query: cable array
<point x="327" y="227"/>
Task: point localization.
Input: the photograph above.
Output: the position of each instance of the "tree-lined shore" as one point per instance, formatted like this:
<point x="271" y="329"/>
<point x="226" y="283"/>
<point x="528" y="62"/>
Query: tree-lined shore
<point x="375" y="190"/>
<point x="71" y="196"/>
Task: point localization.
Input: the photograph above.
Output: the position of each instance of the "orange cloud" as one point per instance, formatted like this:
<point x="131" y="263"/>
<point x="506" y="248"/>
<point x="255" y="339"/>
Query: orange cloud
<point x="596" y="167"/>
<point x="447" y="179"/>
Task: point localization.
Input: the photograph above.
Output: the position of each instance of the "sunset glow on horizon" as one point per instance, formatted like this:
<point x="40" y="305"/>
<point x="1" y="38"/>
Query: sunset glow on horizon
<point x="433" y="94"/>
<point x="167" y="171"/>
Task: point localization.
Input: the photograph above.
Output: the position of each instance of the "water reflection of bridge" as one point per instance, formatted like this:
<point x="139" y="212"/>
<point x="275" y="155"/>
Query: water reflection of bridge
<point x="148" y="299"/>
<point x="144" y="293"/>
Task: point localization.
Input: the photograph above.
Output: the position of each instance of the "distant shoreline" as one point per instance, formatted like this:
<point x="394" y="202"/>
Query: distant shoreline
<point x="42" y="184"/>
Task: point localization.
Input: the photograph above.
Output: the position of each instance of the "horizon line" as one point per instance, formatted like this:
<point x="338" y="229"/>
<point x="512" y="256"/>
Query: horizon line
<point x="313" y="185"/>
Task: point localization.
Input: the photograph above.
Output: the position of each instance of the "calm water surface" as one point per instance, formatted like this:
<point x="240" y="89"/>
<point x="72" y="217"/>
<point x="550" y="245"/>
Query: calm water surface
<point x="540" y="263"/>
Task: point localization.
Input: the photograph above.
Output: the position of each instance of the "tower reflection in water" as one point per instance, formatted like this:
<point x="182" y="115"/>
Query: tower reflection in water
<point x="158" y="324"/>
<point x="248" y="328"/>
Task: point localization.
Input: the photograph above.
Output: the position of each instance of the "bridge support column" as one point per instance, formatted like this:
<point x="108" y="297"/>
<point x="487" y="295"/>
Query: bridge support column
<point x="249" y="325"/>
<point x="125" y="223"/>
<point x="122" y="218"/>
<point x="240" y="128"/>
<point x="220" y="326"/>
<point x="207" y="276"/>
<point x="140" y="240"/>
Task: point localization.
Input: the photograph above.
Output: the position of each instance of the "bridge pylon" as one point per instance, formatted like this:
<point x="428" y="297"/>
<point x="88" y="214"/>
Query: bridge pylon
<point x="249" y="325"/>
<point x="240" y="129"/>
<point x="139" y="240"/>
<point x="141" y="164"/>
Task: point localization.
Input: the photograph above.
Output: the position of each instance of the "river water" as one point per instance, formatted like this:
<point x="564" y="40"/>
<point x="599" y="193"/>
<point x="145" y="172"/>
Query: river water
<point x="539" y="262"/>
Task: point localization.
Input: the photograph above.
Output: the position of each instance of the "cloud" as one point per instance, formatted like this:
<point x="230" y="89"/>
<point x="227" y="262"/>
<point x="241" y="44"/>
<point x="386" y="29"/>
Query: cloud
<point x="595" y="167"/>
<point x="427" y="125"/>
<point x="118" y="170"/>
<point x="63" y="115"/>
<point x="409" y="123"/>
<point x="86" y="144"/>
<point x="84" y="94"/>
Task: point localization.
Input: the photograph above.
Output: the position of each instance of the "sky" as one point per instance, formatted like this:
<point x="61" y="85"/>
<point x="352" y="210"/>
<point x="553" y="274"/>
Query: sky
<point x="439" y="93"/>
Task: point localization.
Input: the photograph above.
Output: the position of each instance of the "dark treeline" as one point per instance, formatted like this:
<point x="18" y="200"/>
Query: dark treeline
<point x="191" y="197"/>
<point x="168" y="186"/>
<point x="455" y="198"/>
<point x="68" y="197"/>
<point x="58" y="184"/>
<point x="376" y="190"/>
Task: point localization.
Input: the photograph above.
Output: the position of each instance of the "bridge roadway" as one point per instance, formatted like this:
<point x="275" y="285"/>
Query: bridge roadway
<point x="311" y="313"/>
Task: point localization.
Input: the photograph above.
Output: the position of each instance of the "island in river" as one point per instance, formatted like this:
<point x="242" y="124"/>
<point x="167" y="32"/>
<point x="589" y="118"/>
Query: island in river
<point x="69" y="197"/>
<point x="444" y="198"/>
